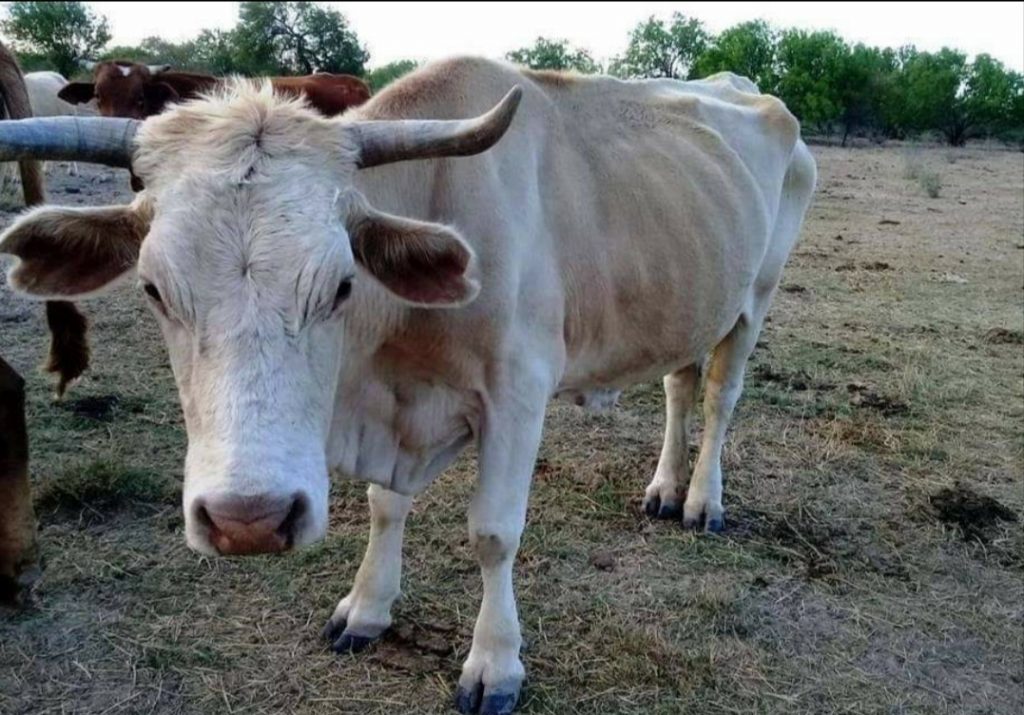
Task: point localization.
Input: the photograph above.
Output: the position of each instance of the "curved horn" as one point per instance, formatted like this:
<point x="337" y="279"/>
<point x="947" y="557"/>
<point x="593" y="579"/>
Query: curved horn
<point x="387" y="141"/>
<point x="98" y="140"/>
<point x="157" y="69"/>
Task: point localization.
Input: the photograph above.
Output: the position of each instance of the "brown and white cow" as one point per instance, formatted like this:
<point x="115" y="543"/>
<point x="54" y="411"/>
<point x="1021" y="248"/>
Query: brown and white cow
<point x="131" y="89"/>
<point x="330" y="305"/>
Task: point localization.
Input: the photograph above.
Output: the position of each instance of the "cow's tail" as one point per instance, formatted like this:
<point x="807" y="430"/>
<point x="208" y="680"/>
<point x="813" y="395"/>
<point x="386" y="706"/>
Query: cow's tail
<point x="69" y="343"/>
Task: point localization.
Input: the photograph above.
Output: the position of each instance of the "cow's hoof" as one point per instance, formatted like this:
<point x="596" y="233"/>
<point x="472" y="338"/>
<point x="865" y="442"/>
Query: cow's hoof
<point x="351" y="643"/>
<point x="655" y="508"/>
<point x="473" y="701"/>
<point x="712" y="525"/>
<point x="343" y="641"/>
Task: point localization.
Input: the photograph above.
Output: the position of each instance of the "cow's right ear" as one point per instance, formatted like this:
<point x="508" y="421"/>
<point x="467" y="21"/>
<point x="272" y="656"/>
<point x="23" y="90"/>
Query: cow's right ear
<point x="77" y="92"/>
<point x="68" y="253"/>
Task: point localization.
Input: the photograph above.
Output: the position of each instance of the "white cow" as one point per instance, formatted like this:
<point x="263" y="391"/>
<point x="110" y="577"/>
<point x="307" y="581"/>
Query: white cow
<point x="42" y="95"/>
<point x="329" y="305"/>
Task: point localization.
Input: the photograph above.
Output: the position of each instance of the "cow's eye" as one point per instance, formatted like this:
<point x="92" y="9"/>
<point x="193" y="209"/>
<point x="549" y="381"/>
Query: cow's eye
<point x="152" y="292"/>
<point x="344" y="290"/>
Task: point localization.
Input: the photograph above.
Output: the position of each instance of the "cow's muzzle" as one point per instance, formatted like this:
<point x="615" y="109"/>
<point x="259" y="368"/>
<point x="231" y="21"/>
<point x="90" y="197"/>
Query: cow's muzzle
<point x="233" y="524"/>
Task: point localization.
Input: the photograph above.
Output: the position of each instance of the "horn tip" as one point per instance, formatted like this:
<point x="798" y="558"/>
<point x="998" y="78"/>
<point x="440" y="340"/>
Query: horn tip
<point x="514" y="96"/>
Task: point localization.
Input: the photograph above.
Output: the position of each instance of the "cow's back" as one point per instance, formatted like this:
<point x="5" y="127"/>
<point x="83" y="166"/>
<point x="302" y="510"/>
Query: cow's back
<point x="329" y="94"/>
<point x="626" y="220"/>
<point x="42" y="95"/>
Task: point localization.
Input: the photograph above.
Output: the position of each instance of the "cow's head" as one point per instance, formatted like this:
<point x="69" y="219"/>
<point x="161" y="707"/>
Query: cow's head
<point x="266" y="271"/>
<point x="123" y="89"/>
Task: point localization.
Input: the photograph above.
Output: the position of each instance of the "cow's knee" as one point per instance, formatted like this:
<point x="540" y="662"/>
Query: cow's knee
<point x="494" y="546"/>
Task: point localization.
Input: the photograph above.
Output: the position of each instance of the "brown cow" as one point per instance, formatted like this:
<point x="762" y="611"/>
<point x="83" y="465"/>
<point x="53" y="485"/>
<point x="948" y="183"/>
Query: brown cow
<point x="18" y="551"/>
<point x="137" y="91"/>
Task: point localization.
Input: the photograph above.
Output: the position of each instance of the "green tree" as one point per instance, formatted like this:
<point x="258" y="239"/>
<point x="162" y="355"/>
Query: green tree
<point x="928" y="92"/>
<point x="547" y="54"/>
<point x="156" y="50"/>
<point x="865" y="88"/>
<point x="747" y="49"/>
<point x="215" y="52"/>
<point x="386" y="74"/>
<point x="63" y="32"/>
<point x="810" y="66"/>
<point x="295" y="38"/>
<point x="660" y="49"/>
<point x="991" y="96"/>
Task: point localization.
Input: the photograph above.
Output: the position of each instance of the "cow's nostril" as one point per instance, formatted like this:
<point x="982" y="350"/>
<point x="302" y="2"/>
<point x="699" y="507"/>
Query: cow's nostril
<point x="203" y="516"/>
<point x="287" y="528"/>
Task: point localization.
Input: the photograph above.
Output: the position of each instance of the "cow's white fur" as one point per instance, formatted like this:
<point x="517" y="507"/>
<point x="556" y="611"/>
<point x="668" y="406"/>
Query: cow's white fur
<point x="622" y="230"/>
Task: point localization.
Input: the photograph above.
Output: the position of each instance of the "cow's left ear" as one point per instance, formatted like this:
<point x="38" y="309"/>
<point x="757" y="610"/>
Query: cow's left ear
<point x="67" y="253"/>
<point x="159" y="94"/>
<point x="422" y="263"/>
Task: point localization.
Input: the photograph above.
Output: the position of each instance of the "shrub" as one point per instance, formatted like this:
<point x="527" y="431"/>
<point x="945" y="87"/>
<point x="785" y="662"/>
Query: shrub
<point x="931" y="182"/>
<point x="913" y="164"/>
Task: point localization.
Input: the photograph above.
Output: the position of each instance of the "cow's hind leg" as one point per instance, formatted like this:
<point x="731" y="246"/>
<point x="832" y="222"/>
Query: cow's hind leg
<point x="724" y="380"/>
<point x="722" y="388"/>
<point x="365" y="613"/>
<point x="663" y="498"/>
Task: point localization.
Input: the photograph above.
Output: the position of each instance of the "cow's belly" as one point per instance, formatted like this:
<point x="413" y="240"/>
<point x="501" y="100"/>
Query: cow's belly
<point x="615" y="344"/>
<point x="400" y="437"/>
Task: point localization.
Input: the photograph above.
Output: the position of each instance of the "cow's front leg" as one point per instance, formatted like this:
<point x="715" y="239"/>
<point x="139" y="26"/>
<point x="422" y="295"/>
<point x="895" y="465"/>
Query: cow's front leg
<point x="365" y="613"/>
<point x="492" y="674"/>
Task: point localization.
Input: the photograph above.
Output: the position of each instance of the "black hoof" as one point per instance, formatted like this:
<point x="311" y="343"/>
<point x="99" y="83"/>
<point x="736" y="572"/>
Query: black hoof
<point x="656" y="509"/>
<point x="670" y="511"/>
<point x="351" y="643"/>
<point x="714" y="525"/>
<point x="472" y="701"/>
<point x="332" y="631"/>
<point x="467" y="700"/>
<point x="499" y="703"/>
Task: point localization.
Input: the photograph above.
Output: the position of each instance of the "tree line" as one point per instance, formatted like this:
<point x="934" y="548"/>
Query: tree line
<point x="832" y="86"/>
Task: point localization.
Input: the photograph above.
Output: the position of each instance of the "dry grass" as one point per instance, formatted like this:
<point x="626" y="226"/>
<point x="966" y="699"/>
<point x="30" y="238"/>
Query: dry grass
<point x="864" y="568"/>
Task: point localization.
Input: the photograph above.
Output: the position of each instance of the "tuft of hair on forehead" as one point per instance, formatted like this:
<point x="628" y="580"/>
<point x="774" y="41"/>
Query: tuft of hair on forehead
<point x="234" y="131"/>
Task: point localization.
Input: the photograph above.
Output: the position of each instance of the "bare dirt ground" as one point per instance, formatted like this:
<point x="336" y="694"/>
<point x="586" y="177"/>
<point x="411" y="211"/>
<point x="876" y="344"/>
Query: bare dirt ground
<point x="873" y="559"/>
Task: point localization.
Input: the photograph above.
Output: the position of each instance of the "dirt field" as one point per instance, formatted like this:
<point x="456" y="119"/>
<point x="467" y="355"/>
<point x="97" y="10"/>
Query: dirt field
<point x="873" y="559"/>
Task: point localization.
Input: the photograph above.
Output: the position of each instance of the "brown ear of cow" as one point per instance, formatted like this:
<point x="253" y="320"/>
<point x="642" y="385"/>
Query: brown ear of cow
<point x="422" y="263"/>
<point x="77" y="92"/>
<point x="72" y="253"/>
<point x="158" y="94"/>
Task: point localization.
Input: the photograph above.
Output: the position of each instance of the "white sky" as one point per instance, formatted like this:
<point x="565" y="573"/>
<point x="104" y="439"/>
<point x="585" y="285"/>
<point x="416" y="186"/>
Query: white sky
<point x="396" y="30"/>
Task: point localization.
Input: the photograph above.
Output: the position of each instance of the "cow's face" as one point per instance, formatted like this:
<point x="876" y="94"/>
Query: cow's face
<point x="263" y="268"/>
<point x="123" y="89"/>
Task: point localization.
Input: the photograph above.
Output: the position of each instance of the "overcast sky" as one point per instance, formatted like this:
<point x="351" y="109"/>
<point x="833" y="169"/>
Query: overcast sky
<point x="396" y="30"/>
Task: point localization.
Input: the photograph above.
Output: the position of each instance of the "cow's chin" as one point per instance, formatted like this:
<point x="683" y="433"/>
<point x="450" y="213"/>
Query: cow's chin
<point x="271" y="518"/>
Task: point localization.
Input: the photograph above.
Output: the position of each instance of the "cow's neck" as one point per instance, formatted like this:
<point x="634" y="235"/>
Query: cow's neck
<point x="402" y="411"/>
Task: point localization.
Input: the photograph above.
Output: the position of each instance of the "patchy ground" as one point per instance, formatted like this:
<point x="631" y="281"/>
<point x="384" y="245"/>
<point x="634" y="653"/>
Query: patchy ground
<point x="873" y="561"/>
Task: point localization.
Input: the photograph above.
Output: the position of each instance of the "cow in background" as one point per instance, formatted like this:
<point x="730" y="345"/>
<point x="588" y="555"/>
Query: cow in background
<point x="137" y="91"/>
<point x="18" y="551"/>
<point x="43" y="94"/>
